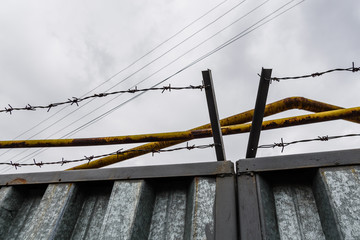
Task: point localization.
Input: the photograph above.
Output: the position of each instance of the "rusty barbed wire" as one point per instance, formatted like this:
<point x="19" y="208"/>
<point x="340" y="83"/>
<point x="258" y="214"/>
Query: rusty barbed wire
<point x="92" y="157"/>
<point x="283" y="144"/>
<point x="76" y="101"/>
<point x="317" y="74"/>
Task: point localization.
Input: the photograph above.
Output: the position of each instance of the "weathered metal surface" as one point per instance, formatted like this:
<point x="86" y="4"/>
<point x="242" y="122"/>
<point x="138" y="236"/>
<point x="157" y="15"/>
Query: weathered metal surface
<point x="56" y="214"/>
<point x="297" y="213"/>
<point x="288" y="204"/>
<point x="342" y="186"/>
<point x="172" y="138"/>
<point x="225" y="217"/>
<point x="290" y="121"/>
<point x="214" y="116"/>
<point x="129" y="211"/>
<point x="299" y="161"/>
<point x="249" y="215"/>
<point x="126" y="173"/>
<point x="270" y="109"/>
<point x="168" y="220"/>
<point x="234" y="129"/>
<point x="257" y="120"/>
<point x="92" y="212"/>
<point x="267" y="209"/>
<point x="297" y="199"/>
<point x="17" y="207"/>
<point x="200" y="209"/>
<point x="10" y="202"/>
<point x="141" y="138"/>
<point x="236" y="123"/>
<point x="132" y="209"/>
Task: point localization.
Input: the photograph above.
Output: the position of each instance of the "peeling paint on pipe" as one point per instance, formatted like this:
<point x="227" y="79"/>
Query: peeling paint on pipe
<point x="234" y="129"/>
<point x="273" y="108"/>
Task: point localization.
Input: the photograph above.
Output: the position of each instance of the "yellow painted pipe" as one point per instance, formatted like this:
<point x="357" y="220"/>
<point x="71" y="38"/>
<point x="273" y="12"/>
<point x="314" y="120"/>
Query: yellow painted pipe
<point x="350" y="113"/>
<point x="141" y="138"/>
<point x="273" y="108"/>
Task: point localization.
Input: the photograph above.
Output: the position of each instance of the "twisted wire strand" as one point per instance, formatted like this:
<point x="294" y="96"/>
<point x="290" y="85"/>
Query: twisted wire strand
<point x="92" y="157"/>
<point x="317" y="74"/>
<point x="283" y="144"/>
<point x="76" y="101"/>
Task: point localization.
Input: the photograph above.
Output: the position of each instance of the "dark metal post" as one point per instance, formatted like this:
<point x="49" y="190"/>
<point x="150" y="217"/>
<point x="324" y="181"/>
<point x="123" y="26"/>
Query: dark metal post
<point x="248" y="195"/>
<point x="225" y="208"/>
<point x="248" y="207"/>
<point x="214" y="117"/>
<point x="258" y="113"/>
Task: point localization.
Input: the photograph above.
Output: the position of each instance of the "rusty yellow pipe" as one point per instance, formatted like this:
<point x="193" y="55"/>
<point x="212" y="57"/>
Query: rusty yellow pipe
<point x="273" y="108"/>
<point x="283" y="105"/>
<point x="295" y="121"/>
<point x="233" y="129"/>
<point x="141" y="138"/>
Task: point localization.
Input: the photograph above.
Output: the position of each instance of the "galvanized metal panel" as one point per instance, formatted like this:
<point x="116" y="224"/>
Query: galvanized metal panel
<point x="129" y="211"/>
<point x="266" y="201"/>
<point x="17" y="207"/>
<point x="133" y="209"/>
<point x="314" y="198"/>
<point x="23" y="217"/>
<point x="325" y="207"/>
<point x="10" y="203"/>
<point x="297" y="213"/>
<point x="49" y="221"/>
<point x="342" y="186"/>
<point x="200" y="209"/>
<point x="92" y="212"/>
<point x="168" y="220"/>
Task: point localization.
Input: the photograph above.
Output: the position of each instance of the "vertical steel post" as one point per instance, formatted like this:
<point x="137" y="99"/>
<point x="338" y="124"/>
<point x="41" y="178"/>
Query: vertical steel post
<point x="225" y="208"/>
<point x="214" y="117"/>
<point x="248" y="207"/>
<point x="258" y="113"/>
<point x="250" y="223"/>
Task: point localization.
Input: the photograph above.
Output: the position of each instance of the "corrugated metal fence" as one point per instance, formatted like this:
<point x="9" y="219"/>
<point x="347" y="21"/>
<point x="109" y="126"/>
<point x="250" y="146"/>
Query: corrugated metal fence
<point x="164" y="202"/>
<point x="307" y="196"/>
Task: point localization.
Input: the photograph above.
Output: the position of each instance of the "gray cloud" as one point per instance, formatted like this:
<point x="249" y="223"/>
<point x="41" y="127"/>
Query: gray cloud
<point x="54" y="50"/>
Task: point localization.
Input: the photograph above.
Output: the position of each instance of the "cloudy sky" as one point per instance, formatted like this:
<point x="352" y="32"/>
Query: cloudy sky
<point x="54" y="50"/>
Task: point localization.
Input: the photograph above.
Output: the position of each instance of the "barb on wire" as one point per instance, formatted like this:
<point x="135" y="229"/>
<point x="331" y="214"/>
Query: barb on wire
<point x="283" y="144"/>
<point x="37" y="164"/>
<point x="76" y="101"/>
<point x="90" y="158"/>
<point x="317" y="74"/>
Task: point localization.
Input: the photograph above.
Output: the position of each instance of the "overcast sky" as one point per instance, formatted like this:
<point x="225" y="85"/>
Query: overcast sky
<point x="54" y="50"/>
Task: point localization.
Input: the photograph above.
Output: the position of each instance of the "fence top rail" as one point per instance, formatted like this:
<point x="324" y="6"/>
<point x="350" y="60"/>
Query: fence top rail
<point x="298" y="161"/>
<point x="125" y="173"/>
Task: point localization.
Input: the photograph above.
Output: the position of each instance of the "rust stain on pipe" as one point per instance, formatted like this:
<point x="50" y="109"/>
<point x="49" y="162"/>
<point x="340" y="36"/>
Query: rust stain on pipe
<point x="273" y="108"/>
<point x="230" y="125"/>
<point x="94" y="141"/>
<point x="351" y="113"/>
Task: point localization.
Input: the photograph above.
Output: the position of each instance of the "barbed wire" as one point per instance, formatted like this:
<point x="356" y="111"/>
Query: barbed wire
<point x="92" y="157"/>
<point x="283" y="144"/>
<point x="76" y="101"/>
<point x="317" y="74"/>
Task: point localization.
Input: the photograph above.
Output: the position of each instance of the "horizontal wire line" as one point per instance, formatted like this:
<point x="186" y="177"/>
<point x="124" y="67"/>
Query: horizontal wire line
<point x="317" y="74"/>
<point x="283" y="144"/>
<point x="76" y="100"/>
<point x="92" y="157"/>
